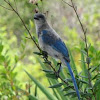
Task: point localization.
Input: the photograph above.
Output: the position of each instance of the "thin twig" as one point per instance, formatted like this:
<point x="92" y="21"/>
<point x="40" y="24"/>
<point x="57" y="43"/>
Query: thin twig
<point x="6" y="8"/>
<point x="67" y="3"/>
<point x="15" y="5"/>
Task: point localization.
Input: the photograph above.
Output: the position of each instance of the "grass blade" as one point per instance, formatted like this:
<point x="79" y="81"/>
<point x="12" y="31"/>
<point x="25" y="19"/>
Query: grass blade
<point x="42" y="88"/>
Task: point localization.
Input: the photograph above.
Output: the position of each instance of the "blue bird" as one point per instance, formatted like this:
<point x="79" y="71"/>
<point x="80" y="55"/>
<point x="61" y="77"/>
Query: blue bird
<point x="51" y="43"/>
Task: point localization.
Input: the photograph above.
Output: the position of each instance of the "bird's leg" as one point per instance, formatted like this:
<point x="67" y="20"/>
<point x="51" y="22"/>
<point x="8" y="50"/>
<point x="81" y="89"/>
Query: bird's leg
<point x="59" y="70"/>
<point x="45" y="57"/>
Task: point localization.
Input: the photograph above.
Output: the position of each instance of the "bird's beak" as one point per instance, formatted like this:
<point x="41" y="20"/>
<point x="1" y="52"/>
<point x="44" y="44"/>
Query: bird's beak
<point x="36" y="18"/>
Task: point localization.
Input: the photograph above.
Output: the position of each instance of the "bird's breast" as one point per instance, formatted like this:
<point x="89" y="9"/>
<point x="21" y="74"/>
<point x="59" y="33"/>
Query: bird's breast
<point x="41" y="44"/>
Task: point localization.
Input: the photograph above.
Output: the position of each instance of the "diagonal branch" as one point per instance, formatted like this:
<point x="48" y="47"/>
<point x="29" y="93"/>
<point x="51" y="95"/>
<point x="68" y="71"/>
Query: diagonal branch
<point x="67" y="3"/>
<point x="6" y="8"/>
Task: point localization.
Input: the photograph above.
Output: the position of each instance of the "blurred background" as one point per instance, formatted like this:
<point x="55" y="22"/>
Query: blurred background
<point x="16" y="51"/>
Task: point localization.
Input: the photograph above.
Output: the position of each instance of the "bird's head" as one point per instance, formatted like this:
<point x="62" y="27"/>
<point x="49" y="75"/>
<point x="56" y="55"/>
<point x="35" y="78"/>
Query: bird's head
<point x="39" y="19"/>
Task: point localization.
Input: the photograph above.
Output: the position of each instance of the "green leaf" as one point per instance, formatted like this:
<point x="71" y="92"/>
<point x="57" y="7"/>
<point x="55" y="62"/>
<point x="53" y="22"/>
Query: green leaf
<point x="53" y="76"/>
<point x="67" y="88"/>
<point x="84" y="52"/>
<point x="1" y="48"/>
<point x="2" y="58"/>
<point x="95" y="77"/>
<point x="83" y="76"/>
<point x="54" y="91"/>
<point x="70" y="93"/>
<point x="56" y="85"/>
<point x="93" y="69"/>
<point x="85" y="94"/>
<point x="31" y="97"/>
<point x="83" y="81"/>
<point x="37" y="53"/>
<point x="82" y="61"/>
<point x="47" y="71"/>
<point x="73" y="63"/>
<point x="35" y="91"/>
<point x="16" y="58"/>
<point x="42" y="88"/>
<point x="98" y="92"/>
<point x="97" y="83"/>
<point x="84" y="67"/>
<point x="68" y="80"/>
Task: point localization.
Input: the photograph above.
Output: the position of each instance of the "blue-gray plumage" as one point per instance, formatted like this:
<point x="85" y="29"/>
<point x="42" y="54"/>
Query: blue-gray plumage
<point x="51" y="43"/>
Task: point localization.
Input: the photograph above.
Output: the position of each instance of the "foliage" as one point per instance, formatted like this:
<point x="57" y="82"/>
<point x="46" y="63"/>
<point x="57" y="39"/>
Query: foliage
<point x="16" y="54"/>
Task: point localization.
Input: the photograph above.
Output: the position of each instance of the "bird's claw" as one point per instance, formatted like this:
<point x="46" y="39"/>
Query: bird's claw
<point x="45" y="54"/>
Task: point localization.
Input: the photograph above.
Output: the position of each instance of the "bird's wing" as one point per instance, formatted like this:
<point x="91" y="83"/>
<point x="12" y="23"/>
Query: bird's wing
<point x="55" y="42"/>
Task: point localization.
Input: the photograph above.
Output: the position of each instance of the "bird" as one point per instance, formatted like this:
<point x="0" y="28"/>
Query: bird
<point x="52" y="44"/>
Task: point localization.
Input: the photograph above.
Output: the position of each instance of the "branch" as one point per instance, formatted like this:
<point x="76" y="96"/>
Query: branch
<point x="67" y="3"/>
<point x="6" y="8"/>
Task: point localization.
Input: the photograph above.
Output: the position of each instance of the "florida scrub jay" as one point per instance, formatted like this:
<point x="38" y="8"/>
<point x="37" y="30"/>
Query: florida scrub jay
<point x="51" y="43"/>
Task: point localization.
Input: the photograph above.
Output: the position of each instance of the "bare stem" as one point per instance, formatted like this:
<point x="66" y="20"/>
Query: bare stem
<point x="6" y="8"/>
<point x="67" y="3"/>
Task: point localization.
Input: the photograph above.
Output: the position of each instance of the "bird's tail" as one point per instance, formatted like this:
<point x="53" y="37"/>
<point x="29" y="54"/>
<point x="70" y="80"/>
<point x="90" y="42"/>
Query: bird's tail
<point x="73" y="79"/>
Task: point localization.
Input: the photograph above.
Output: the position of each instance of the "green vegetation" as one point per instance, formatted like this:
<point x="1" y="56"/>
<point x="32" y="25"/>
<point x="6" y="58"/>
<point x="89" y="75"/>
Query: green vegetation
<point x="25" y="75"/>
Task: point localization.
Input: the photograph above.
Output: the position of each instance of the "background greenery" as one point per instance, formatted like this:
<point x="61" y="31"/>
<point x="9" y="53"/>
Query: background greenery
<point x="16" y="51"/>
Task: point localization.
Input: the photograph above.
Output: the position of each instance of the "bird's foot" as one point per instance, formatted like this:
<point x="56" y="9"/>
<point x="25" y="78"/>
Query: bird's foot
<point x="45" y="54"/>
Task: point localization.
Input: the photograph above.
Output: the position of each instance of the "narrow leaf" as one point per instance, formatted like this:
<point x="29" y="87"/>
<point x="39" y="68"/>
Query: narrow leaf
<point x="85" y="94"/>
<point x="95" y="77"/>
<point x="84" y="52"/>
<point x="37" y="53"/>
<point x="56" y="85"/>
<point x="35" y="91"/>
<point x="97" y="83"/>
<point x="42" y="88"/>
<point x="83" y="81"/>
<point x="67" y="88"/>
<point x="53" y="76"/>
<point x="1" y="47"/>
<point x="47" y="71"/>
<point x="70" y="93"/>
<point x="68" y="80"/>
<point x="94" y="69"/>
<point x="31" y="97"/>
